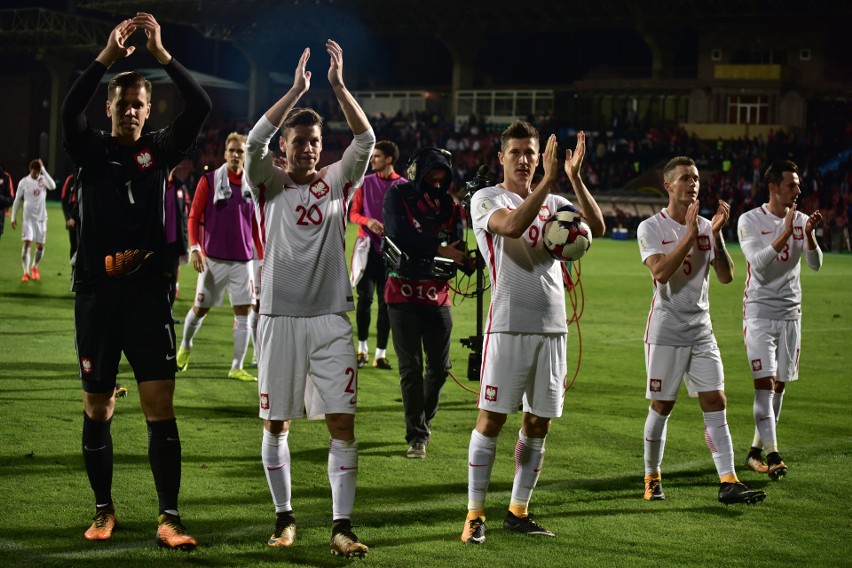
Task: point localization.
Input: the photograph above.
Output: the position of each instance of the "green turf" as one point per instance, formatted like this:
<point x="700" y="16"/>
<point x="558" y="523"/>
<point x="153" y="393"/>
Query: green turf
<point x="411" y="512"/>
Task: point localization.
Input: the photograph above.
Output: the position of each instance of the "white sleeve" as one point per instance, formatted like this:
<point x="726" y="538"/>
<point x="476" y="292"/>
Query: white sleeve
<point x="482" y="207"/>
<point x="19" y="198"/>
<point x="814" y="258"/>
<point x="356" y="157"/>
<point x="649" y="244"/>
<point x="756" y="254"/>
<point x="259" y="166"/>
<point x="49" y="183"/>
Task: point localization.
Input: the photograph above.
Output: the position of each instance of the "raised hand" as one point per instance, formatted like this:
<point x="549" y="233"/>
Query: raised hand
<point x="550" y="161"/>
<point x="154" y="42"/>
<point x="789" y="218"/>
<point x="574" y="160"/>
<point x="302" y="77"/>
<point x="116" y="47"/>
<point x="814" y="221"/>
<point x="692" y="219"/>
<point x="335" y="68"/>
<point x="720" y="219"/>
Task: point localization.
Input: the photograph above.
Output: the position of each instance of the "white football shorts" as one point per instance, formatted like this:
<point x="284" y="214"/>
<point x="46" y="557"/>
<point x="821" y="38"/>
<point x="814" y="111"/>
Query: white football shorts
<point x="291" y="348"/>
<point x="700" y="366"/>
<point x="34" y="231"/>
<point x="526" y="368"/>
<point x="773" y="348"/>
<point x="237" y="277"/>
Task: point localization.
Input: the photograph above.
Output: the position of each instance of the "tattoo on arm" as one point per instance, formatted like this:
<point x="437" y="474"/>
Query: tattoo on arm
<point x="722" y="256"/>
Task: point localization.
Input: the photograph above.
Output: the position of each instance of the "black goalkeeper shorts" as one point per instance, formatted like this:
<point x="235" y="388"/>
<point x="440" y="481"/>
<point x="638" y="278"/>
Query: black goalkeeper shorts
<point x="130" y="315"/>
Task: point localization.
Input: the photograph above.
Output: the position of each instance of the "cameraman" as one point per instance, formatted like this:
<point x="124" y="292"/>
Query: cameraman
<point x="423" y="221"/>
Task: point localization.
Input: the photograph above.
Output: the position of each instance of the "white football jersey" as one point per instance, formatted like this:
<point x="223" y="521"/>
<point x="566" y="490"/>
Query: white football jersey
<point x="33" y="193"/>
<point x="680" y="309"/>
<point x="527" y="294"/>
<point x="773" y="291"/>
<point x="303" y="228"/>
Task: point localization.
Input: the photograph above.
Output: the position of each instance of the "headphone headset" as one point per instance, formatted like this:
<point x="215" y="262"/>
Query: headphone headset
<point x="411" y="167"/>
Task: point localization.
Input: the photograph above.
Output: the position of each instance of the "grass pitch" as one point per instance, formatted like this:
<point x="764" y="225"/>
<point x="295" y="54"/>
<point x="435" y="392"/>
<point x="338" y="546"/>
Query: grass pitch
<point x="410" y="512"/>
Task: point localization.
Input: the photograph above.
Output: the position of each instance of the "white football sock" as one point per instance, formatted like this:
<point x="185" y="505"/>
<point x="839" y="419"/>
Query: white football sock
<point x="275" y="453"/>
<point x="241" y="339"/>
<point x="191" y="325"/>
<point x="656" y="427"/>
<point x="776" y="405"/>
<point x="362" y="347"/>
<point x="381" y="353"/>
<point x="718" y="438"/>
<point x="764" y="419"/>
<point x="342" y="474"/>
<point x="480" y="456"/>
<point x="529" y="455"/>
<point x="39" y="254"/>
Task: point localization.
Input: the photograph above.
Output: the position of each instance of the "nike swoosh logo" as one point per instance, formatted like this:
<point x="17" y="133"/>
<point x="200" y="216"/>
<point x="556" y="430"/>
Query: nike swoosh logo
<point x="115" y="163"/>
<point x="169" y="357"/>
<point x="667" y="242"/>
<point x="273" y="468"/>
<point x="344" y="468"/>
<point x="765" y="232"/>
<point x="88" y="449"/>
<point x="477" y="464"/>
<point x="172" y="439"/>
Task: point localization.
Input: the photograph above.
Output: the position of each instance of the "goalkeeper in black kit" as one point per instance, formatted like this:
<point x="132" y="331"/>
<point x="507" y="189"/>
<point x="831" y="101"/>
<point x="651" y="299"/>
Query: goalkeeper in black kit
<point x="122" y="301"/>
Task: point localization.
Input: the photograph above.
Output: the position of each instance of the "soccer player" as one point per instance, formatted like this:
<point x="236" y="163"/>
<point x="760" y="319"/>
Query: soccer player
<point x="679" y="247"/>
<point x="524" y="350"/>
<point x="222" y="205"/>
<point x="32" y="192"/>
<point x="773" y="238"/>
<point x="122" y="292"/>
<point x="368" y="266"/>
<point x="303" y="327"/>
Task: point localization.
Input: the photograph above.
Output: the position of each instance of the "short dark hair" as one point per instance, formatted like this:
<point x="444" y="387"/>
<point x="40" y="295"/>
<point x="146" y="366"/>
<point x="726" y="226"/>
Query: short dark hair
<point x="775" y="172"/>
<point x="299" y="116"/>
<point x="34" y="165"/>
<point x="388" y="148"/>
<point x="128" y="79"/>
<point x="518" y="129"/>
<point x="675" y="162"/>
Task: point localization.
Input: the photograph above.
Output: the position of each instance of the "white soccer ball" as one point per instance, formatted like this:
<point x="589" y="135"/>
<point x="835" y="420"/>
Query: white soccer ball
<point x="566" y="236"/>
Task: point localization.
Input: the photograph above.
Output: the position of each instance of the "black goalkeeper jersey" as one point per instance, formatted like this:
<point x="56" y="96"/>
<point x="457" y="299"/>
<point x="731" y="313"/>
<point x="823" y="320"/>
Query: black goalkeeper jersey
<point x="121" y="188"/>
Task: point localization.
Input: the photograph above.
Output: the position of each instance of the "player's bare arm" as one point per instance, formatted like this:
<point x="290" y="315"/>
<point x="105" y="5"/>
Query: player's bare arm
<point x="116" y="47"/>
<point x="813" y="222"/>
<point x="514" y="223"/>
<point x="154" y="43"/>
<point x="663" y="266"/>
<point x="355" y="117"/>
<point x="587" y="204"/>
<point x="301" y="84"/>
<point x="722" y="262"/>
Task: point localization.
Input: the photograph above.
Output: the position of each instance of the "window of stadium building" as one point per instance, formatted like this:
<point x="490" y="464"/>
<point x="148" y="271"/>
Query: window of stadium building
<point x="747" y="109"/>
